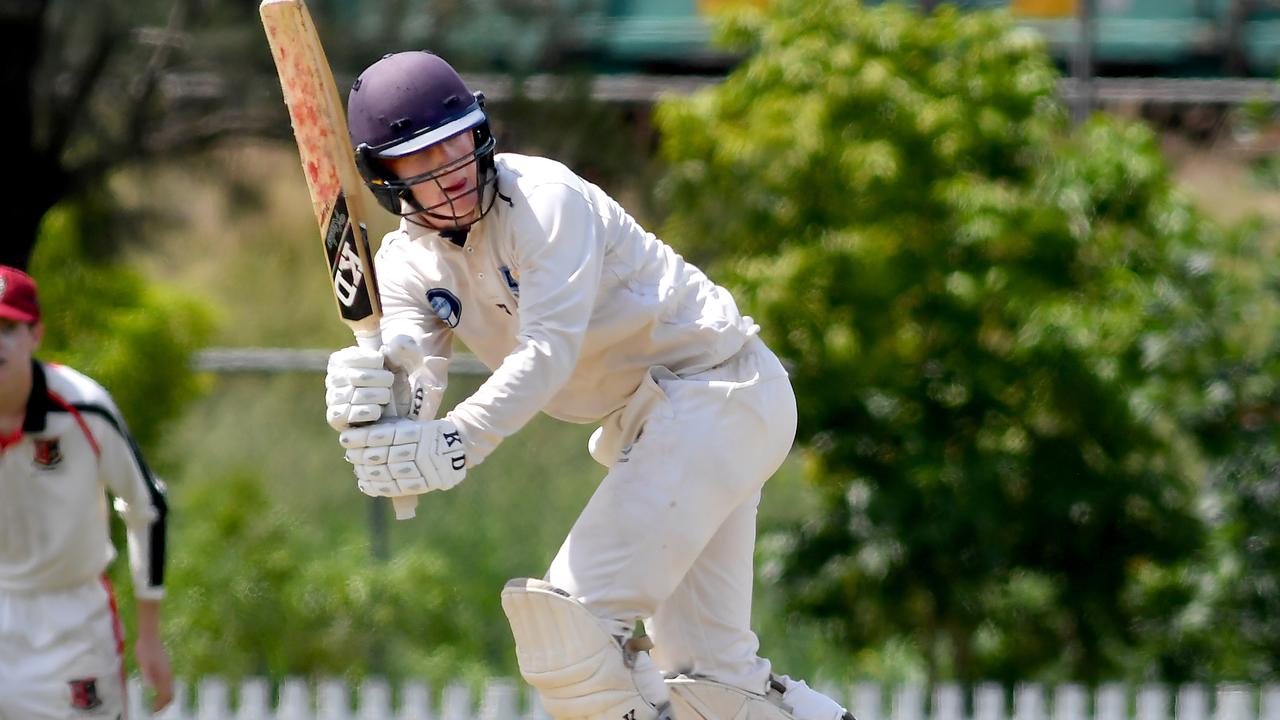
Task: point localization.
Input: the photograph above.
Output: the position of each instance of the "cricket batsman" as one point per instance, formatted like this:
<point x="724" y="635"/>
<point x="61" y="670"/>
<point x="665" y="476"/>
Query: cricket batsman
<point x="584" y="315"/>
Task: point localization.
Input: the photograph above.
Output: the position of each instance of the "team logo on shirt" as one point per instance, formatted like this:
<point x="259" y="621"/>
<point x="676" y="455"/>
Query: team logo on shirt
<point x="84" y="694"/>
<point x="446" y="306"/>
<point x="48" y="454"/>
<point x="512" y="285"/>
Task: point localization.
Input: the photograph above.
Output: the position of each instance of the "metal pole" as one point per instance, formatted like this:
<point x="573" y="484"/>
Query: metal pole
<point x="378" y="532"/>
<point x="381" y="549"/>
<point x="1082" y="62"/>
<point x="1233" y="51"/>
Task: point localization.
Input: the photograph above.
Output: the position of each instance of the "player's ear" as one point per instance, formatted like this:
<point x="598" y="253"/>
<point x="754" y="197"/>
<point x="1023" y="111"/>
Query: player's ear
<point x="375" y="176"/>
<point x="37" y="332"/>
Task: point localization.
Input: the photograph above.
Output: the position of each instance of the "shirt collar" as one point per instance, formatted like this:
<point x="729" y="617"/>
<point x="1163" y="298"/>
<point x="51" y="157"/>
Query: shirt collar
<point x="451" y="238"/>
<point x="38" y="403"/>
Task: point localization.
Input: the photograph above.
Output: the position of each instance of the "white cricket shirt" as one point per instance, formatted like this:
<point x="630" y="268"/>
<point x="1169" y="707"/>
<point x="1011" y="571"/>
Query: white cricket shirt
<point x="53" y="515"/>
<point x="564" y="296"/>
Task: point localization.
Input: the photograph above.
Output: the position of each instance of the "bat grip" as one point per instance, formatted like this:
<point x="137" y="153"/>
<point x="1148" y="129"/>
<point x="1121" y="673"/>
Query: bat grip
<point x="406" y="506"/>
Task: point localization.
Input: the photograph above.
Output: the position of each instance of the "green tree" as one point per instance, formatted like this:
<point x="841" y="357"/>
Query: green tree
<point x="1222" y="606"/>
<point x="106" y="85"/>
<point x="984" y="310"/>
<point x="264" y="591"/>
<point x="120" y="84"/>
<point x="135" y="337"/>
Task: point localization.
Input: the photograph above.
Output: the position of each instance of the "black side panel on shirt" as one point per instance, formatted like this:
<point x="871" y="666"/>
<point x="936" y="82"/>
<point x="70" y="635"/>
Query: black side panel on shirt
<point x="155" y="573"/>
<point x="38" y="404"/>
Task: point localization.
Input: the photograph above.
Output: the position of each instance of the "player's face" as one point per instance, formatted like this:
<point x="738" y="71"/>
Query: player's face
<point x="18" y="342"/>
<point x="451" y="194"/>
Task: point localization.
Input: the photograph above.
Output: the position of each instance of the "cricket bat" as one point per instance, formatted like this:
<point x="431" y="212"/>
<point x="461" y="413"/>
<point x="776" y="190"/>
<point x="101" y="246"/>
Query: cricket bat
<point x="328" y="162"/>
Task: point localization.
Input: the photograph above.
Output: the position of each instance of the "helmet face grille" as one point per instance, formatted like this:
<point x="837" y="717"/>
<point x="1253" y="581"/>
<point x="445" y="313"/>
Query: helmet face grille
<point x="443" y="212"/>
<point x="395" y="194"/>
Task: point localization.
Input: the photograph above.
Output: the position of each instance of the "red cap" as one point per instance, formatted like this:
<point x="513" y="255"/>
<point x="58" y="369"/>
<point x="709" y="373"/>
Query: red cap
<point x="18" y="296"/>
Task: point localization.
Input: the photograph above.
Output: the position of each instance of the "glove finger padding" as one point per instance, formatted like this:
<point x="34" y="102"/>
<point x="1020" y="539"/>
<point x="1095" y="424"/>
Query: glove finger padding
<point x="375" y="483"/>
<point x="368" y="456"/>
<point x="413" y="456"/>
<point x="357" y="395"/>
<point x="346" y="415"/>
<point x="347" y="406"/>
<point x="357" y="386"/>
<point x="376" y="435"/>
<point x="355" y="357"/>
<point x="358" y="377"/>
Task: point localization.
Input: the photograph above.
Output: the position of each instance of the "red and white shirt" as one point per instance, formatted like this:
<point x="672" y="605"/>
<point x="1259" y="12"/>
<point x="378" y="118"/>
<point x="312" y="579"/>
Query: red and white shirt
<point x="75" y="448"/>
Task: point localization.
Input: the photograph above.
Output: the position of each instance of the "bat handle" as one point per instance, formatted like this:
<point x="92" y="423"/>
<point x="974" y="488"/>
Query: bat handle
<point x="406" y="506"/>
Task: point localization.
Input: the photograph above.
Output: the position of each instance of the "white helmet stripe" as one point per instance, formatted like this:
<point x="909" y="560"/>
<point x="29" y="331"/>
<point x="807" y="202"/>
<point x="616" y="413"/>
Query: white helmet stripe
<point x="448" y="130"/>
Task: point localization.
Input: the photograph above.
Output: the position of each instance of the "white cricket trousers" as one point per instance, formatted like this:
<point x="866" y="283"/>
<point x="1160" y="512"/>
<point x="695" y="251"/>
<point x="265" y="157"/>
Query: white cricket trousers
<point x="669" y="535"/>
<point x="61" y="655"/>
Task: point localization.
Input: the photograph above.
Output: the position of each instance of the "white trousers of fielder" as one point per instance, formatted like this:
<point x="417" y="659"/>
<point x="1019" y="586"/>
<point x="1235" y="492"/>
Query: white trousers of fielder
<point x="669" y="535"/>
<point x="61" y="655"/>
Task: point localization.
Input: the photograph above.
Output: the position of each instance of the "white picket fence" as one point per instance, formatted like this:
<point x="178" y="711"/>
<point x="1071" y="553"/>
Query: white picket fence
<point x="503" y="699"/>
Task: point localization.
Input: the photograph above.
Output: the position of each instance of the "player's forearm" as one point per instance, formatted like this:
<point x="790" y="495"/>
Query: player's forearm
<point x="148" y="649"/>
<point x="525" y="382"/>
<point x="148" y="616"/>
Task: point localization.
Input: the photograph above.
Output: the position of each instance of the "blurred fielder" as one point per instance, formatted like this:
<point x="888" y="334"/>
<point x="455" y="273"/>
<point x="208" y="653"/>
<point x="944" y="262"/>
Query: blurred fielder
<point x="63" y="445"/>
<point x="582" y="314"/>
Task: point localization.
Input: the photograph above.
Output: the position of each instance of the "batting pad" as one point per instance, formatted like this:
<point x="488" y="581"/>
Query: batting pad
<point x="579" y="670"/>
<point x="696" y="698"/>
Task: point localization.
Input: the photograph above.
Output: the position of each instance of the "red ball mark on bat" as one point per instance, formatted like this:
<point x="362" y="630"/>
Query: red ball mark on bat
<point x="307" y="115"/>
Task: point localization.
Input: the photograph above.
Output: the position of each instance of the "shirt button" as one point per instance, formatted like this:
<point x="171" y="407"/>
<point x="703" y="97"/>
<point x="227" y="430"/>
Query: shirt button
<point x="471" y="249"/>
<point x="480" y="275"/>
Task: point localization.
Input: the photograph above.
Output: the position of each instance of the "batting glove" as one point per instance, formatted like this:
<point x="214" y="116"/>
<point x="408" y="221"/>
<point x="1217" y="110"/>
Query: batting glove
<point x="356" y="387"/>
<point x="419" y="378"/>
<point x="406" y="457"/>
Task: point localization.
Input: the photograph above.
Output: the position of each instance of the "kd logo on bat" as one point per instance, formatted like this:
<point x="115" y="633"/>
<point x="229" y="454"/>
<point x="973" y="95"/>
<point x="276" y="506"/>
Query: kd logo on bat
<point x="348" y="275"/>
<point x="344" y="260"/>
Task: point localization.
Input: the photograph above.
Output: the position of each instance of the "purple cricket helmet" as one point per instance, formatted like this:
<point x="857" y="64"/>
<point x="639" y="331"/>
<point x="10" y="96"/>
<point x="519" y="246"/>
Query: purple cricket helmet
<point x="404" y="103"/>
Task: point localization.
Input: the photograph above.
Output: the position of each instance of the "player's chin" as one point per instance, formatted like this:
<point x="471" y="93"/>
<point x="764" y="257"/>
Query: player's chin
<point x="464" y="208"/>
<point x="461" y="209"/>
<point x="459" y="218"/>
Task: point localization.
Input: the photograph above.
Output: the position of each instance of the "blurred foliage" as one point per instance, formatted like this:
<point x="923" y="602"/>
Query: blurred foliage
<point x="123" y="84"/>
<point x="1233" y="412"/>
<point x="1023" y="360"/>
<point x="609" y="144"/>
<point x="135" y="337"/>
<point x="113" y="84"/>
<point x="265" y="591"/>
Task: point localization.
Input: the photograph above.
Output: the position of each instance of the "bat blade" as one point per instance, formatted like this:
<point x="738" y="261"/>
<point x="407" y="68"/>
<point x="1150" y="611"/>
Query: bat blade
<point x="320" y="129"/>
